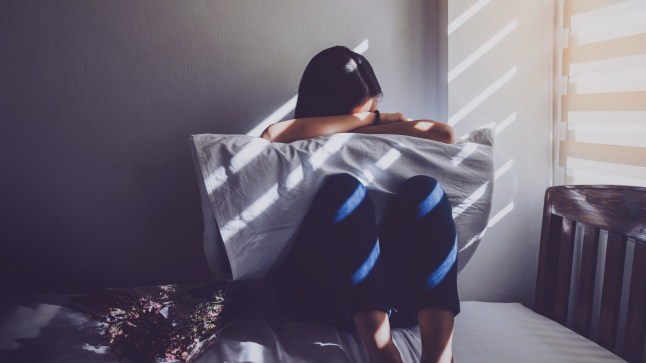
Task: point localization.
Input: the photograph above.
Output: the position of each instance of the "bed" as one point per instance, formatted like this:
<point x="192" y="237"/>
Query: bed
<point x="589" y="304"/>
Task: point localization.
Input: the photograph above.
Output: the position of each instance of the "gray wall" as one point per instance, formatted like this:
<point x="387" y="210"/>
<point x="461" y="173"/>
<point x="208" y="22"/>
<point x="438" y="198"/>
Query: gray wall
<point x="98" y="98"/>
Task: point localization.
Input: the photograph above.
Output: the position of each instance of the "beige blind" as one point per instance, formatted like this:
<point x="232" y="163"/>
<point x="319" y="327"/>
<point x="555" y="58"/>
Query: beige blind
<point x="601" y="103"/>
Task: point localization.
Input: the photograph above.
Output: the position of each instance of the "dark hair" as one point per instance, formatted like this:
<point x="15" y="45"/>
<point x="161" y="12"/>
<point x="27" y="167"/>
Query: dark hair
<point x="334" y="82"/>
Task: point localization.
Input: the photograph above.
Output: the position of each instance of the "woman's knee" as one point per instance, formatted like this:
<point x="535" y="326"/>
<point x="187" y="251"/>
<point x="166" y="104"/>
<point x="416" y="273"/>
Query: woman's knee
<point x="344" y="193"/>
<point x="422" y="183"/>
<point x="340" y="185"/>
<point x="421" y="194"/>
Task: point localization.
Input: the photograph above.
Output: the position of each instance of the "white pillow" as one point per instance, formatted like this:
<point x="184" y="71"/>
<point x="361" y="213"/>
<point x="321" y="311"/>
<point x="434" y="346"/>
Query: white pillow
<point x="255" y="193"/>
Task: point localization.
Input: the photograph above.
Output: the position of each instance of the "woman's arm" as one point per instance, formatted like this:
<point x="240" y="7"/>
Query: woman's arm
<point x="426" y="129"/>
<point x="305" y="128"/>
<point x="391" y="123"/>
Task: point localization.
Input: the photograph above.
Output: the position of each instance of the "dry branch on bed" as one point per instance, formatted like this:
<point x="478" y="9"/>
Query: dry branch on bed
<point x="165" y="323"/>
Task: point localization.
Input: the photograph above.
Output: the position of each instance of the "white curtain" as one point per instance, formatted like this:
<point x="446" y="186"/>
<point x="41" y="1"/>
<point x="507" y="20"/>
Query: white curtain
<point x="601" y="85"/>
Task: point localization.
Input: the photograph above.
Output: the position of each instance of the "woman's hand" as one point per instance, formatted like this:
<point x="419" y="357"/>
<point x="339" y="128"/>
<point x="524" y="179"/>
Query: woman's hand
<point x="390" y="118"/>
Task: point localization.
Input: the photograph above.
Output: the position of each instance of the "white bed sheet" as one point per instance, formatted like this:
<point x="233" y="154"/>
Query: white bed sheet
<point x="259" y="192"/>
<point x="484" y="332"/>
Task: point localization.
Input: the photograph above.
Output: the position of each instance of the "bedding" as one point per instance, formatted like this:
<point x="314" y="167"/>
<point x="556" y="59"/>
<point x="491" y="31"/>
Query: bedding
<point x="255" y="193"/>
<point x="484" y="333"/>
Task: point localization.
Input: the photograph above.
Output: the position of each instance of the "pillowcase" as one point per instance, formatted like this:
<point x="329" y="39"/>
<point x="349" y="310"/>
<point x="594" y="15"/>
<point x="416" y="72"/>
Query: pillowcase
<point x="255" y="193"/>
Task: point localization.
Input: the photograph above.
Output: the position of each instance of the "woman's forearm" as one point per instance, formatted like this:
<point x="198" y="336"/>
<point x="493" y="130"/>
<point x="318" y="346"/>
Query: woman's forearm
<point x="426" y="129"/>
<point x="305" y="128"/>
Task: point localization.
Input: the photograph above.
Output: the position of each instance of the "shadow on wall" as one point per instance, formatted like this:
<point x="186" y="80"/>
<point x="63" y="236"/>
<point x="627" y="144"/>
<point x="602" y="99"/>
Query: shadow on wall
<point x="98" y="186"/>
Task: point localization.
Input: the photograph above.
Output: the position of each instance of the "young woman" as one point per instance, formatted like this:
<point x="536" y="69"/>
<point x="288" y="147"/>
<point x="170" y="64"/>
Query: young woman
<point x="345" y="270"/>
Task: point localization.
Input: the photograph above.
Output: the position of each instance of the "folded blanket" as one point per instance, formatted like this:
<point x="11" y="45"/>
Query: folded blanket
<point x="258" y="192"/>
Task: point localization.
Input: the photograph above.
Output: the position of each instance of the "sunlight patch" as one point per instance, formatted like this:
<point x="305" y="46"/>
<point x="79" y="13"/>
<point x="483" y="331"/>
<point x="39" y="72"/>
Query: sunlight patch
<point x="351" y="204"/>
<point x="387" y="160"/>
<point x="465" y="16"/>
<point x="470" y="200"/>
<point x="476" y="101"/>
<point x="463" y="154"/>
<point x="500" y="215"/>
<point x="440" y="273"/>
<point x="367" y="266"/>
<point x="431" y="201"/>
<point x="101" y="349"/>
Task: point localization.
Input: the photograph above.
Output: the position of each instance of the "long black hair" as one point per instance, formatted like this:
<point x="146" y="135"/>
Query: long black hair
<point x="334" y="82"/>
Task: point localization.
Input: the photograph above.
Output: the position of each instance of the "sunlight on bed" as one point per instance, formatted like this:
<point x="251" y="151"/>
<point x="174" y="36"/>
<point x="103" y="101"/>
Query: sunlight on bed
<point x="295" y="177"/>
<point x="331" y="146"/>
<point x="267" y="199"/>
<point x="470" y="200"/>
<point x="383" y="164"/>
<point x="460" y="208"/>
<point x="100" y="349"/>
<point x="321" y="344"/>
<point x="388" y="159"/>
<point x="251" y="352"/>
<point x="239" y="161"/>
<point x="463" y="154"/>
<point x="251" y="212"/>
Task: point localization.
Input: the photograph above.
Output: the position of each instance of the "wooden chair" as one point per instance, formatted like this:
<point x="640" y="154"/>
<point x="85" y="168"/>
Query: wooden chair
<point x="621" y="211"/>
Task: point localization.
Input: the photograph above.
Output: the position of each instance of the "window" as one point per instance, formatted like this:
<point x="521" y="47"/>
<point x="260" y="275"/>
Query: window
<point x="600" y="126"/>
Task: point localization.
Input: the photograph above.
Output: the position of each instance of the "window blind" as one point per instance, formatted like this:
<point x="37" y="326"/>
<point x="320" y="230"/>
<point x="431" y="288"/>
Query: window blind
<point x="601" y="85"/>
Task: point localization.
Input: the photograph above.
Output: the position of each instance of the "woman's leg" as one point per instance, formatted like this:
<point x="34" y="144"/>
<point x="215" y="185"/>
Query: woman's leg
<point x="333" y="272"/>
<point x="418" y="233"/>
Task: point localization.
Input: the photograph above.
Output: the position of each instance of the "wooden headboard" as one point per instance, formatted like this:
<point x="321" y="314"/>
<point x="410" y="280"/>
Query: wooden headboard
<point x="621" y="212"/>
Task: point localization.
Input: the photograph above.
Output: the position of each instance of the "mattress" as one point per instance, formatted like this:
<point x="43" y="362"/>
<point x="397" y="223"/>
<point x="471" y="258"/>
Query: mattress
<point x="484" y="332"/>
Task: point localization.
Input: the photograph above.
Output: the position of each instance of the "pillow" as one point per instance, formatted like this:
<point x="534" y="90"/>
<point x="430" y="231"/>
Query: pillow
<point x="255" y="193"/>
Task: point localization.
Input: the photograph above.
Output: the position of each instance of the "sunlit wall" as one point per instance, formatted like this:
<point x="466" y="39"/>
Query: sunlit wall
<point x="500" y="75"/>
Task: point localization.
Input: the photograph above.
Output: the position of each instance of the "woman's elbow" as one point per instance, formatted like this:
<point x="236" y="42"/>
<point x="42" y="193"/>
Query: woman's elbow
<point x="266" y="134"/>
<point x="437" y="131"/>
<point x="447" y="134"/>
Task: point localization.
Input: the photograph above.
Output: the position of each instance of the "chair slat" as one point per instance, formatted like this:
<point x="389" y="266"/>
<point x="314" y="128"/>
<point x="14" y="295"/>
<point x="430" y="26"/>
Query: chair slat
<point x="548" y="259"/>
<point x="564" y="270"/>
<point x="620" y="210"/>
<point x="636" y="316"/>
<point x="611" y="294"/>
<point x="585" y="293"/>
<point x="544" y="293"/>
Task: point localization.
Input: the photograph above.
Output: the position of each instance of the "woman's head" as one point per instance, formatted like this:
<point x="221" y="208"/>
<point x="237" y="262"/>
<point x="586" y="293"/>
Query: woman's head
<point x="336" y="81"/>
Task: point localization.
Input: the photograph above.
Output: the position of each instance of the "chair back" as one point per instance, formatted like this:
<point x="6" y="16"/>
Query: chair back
<point x="592" y="264"/>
